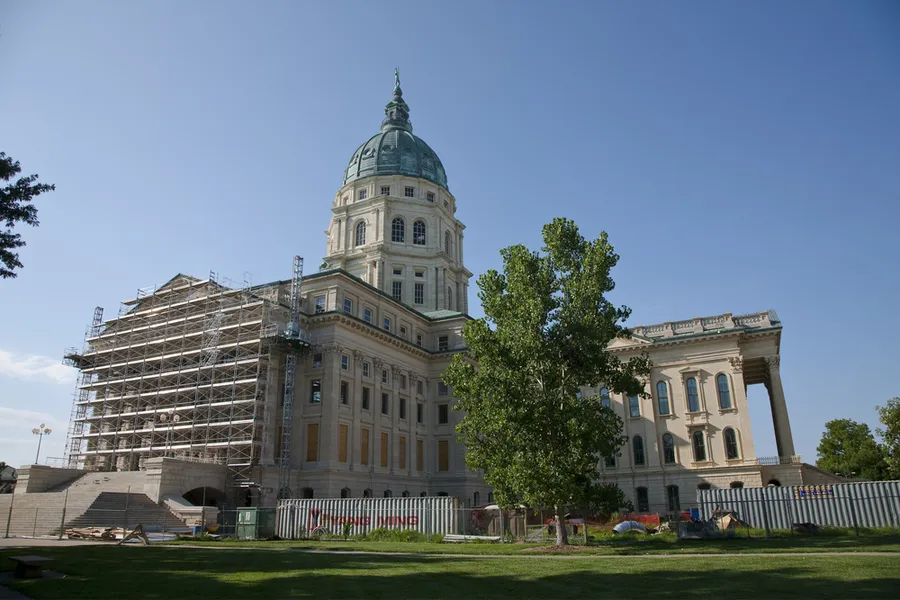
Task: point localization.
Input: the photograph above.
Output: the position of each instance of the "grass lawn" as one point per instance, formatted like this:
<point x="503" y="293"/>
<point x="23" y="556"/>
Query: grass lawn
<point x="169" y="572"/>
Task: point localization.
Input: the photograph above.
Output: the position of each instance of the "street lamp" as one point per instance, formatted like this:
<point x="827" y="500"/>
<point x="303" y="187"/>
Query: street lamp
<point x="41" y="432"/>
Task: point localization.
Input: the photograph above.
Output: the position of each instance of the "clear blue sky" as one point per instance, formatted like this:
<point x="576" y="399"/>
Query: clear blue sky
<point x="742" y="156"/>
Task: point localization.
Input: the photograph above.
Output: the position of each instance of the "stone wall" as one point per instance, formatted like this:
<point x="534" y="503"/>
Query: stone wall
<point x="40" y="478"/>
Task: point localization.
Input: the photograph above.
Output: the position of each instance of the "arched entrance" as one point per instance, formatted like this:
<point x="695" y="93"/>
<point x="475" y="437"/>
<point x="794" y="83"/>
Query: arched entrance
<point x="205" y="496"/>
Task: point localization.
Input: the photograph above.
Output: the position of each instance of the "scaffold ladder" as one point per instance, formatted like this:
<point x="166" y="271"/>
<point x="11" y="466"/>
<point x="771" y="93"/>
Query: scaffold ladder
<point x="292" y="335"/>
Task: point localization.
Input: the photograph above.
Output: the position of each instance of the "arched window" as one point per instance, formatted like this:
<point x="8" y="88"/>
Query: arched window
<point x="442" y="494"/>
<point x="449" y="298"/>
<point x="662" y="398"/>
<point x="637" y="446"/>
<point x="398" y="230"/>
<point x="306" y="493"/>
<point x="345" y="492"/>
<point x="774" y="483"/>
<point x="423" y="494"/>
<point x="704" y="486"/>
<point x="361" y="233"/>
<point x="419" y="233"/>
<point x="367" y="493"/>
<point x="604" y="397"/>
<point x="736" y="485"/>
<point x="476" y="499"/>
<point x="693" y="395"/>
<point x="674" y="500"/>
<point x="447" y="242"/>
<point x="699" y="446"/>
<point x="491" y="497"/>
<point x="731" y="445"/>
<point x="405" y="494"/>
<point x="634" y="407"/>
<point x="668" y="449"/>
<point x="724" y="392"/>
<point x="643" y="499"/>
<point x="388" y="494"/>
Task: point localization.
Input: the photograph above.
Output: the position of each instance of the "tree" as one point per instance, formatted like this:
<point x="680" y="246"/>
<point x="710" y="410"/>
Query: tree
<point x="602" y="498"/>
<point x="849" y="449"/>
<point x="545" y="333"/>
<point x="15" y="206"/>
<point x="889" y="414"/>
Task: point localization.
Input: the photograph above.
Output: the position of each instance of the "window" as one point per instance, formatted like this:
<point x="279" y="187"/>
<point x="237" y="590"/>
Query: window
<point x="361" y="233"/>
<point x="320" y="304"/>
<point x="736" y="485"/>
<point x="345" y="392"/>
<point x="385" y="376"/>
<point x="398" y="230"/>
<point x="610" y="460"/>
<point x="306" y="493"/>
<point x="385" y="404"/>
<point x="491" y="497"/>
<point x="662" y="398"/>
<point x="402" y="408"/>
<point x="402" y="381"/>
<point x="423" y="494"/>
<point x="634" y="407"/>
<point x="420" y="272"/>
<point x="409" y="192"/>
<point x="367" y="493"/>
<point x="348" y="306"/>
<point x="419" y="293"/>
<point x="345" y="492"/>
<point x="447" y="242"/>
<point x="699" y="446"/>
<point x="366" y="369"/>
<point x="367" y="315"/>
<point x="345" y="362"/>
<point x="397" y="271"/>
<point x="419" y="233"/>
<point x="403" y="331"/>
<point x="342" y="446"/>
<point x="430" y="196"/>
<point x="604" y="397"/>
<point x="396" y="293"/>
<point x="637" y="446"/>
<point x="420" y="412"/>
<point x="312" y="442"/>
<point x="674" y="501"/>
<point x="385" y="190"/>
<point x="386" y="323"/>
<point x="704" y="486"/>
<point x="420" y="453"/>
<point x="446" y="204"/>
<point x="443" y="343"/>
<point x="449" y="298"/>
<point x="384" y="449"/>
<point x="366" y="393"/>
<point x="388" y="494"/>
<point x="315" y="391"/>
<point x="317" y="361"/>
<point x="361" y="194"/>
<point x="476" y="499"/>
<point x="405" y="494"/>
<point x="724" y="392"/>
<point x="402" y="463"/>
<point x="443" y="414"/>
<point x="643" y="500"/>
<point x="731" y="445"/>
<point x="668" y="449"/>
<point x="442" y="389"/>
<point x="693" y="395"/>
<point x="443" y="455"/>
<point x="364" y="453"/>
<point x="418" y="339"/>
<point x="420" y="387"/>
<point x="578" y="394"/>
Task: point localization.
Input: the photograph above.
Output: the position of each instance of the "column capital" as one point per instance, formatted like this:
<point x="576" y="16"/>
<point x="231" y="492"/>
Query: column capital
<point x="737" y="364"/>
<point x="358" y="358"/>
<point x="395" y="370"/>
<point x="377" y="363"/>
<point x="332" y="348"/>
<point x="774" y="363"/>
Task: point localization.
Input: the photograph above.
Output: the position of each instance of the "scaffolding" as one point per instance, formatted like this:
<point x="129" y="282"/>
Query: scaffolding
<point x="183" y="372"/>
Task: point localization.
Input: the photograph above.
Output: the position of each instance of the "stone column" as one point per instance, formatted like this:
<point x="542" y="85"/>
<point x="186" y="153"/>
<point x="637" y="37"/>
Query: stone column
<point x="375" y="435"/>
<point x="353" y="441"/>
<point x="783" y="437"/>
<point x="331" y="398"/>
<point x="745" y="439"/>
<point x="442" y="292"/>
<point x="394" y="454"/>
<point x="411" y="411"/>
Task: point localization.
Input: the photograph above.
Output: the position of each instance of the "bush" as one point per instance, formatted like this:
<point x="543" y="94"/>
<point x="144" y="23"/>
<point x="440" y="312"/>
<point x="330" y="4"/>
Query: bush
<point x="394" y="535"/>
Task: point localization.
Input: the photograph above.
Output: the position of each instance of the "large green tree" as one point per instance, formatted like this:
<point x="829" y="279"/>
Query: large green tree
<point x="16" y="207"/>
<point x="849" y="449"/>
<point x="545" y="332"/>
<point x="889" y="414"/>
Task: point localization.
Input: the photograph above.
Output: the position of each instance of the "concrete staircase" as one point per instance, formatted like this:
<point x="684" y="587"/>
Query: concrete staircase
<point x="115" y="509"/>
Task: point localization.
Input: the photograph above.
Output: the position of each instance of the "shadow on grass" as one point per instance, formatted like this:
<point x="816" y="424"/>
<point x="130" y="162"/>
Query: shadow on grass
<point x="107" y="572"/>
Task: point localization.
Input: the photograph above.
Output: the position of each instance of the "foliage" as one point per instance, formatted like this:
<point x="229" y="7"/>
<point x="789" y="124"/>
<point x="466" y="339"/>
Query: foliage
<point x="15" y="207"/>
<point x="849" y="449"/>
<point x="545" y="333"/>
<point x="889" y="414"/>
<point x="603" y="499"/>
<point x="383" y="534"/>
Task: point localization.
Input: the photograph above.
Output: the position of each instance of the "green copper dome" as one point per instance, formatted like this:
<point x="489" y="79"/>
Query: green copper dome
<point x="395" y="150"/>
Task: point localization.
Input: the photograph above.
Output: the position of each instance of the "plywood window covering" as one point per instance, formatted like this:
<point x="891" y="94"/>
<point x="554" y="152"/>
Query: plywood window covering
<point x="384" y="449"/>
<point x="342" y="444"/>
<point x="420" y="451"/>
<point x="312" y="442"/>
<point x="364" y="447"/>
<point x="402" y="452"/>
<point x="443" y="458"/>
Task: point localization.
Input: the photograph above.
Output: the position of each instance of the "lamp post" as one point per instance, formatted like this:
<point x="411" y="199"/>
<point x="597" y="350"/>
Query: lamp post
<point x="40" y="432"/>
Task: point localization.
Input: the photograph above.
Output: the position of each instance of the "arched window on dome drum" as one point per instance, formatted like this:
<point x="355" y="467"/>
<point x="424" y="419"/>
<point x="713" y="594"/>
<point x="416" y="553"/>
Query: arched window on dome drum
<point x="419" y="233"/>
<point x="637" y="446"/>
<point x="662" y="398"/>
<point x="604" y="397"/>
<point x="449" y="298"/>
<point x="731" y="445"/>
<point x="724" y="392"/>
<point x="361" y="234"/>
<point x="668" y="449"/>
<point x="699" y="446"/>
<point x="447" y="243"/>
<point x="693" y="395"/>
<point x="398" y="230"/>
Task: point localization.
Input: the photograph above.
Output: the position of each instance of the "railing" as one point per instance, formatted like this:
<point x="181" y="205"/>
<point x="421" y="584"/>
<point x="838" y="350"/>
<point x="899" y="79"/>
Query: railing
<point x="771" y="461"/>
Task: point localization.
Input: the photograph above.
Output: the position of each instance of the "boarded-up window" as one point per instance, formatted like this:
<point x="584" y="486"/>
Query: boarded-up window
<point x="342" y="443"/>
<point x="364" y="447"/>
<point x="420" y="452"/>
<point x="312" y="442"/>
<point x="402" y="452"/>
<point x="384" y="449"/>
<point x="443" y="458"/>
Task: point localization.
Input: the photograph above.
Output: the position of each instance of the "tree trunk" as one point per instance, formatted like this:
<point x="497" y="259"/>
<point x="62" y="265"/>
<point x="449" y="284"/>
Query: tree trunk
<point x="562" y="536"/>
